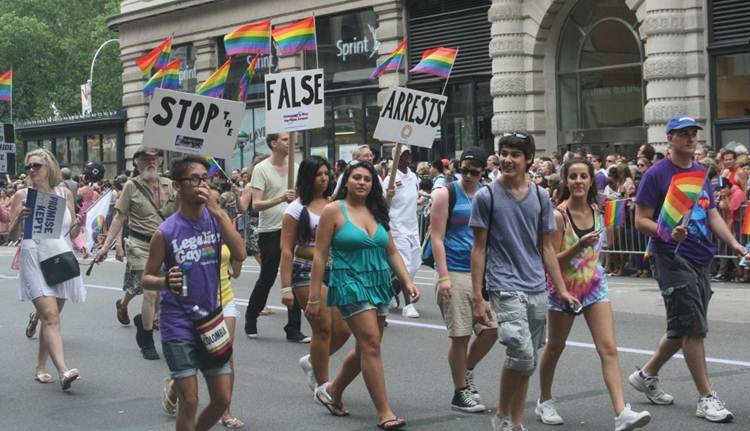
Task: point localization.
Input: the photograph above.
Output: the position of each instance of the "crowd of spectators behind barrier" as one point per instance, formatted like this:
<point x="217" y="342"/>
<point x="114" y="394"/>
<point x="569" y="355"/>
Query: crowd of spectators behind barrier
<point x="617" y="178"/>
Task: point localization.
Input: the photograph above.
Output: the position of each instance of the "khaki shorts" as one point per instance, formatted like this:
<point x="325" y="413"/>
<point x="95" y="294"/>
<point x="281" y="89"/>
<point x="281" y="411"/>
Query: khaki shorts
<point x="457" y="310"/>
<point x="137" y="253"/>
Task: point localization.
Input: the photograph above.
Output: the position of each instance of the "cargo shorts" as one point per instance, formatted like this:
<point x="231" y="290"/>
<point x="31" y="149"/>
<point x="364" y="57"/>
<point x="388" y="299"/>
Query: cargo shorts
<point x="686" y="289"/>
<point x="522" y="318"/>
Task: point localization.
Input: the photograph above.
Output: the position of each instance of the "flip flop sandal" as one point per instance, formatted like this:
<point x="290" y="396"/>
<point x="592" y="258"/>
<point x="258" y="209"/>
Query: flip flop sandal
<point x="267" y="312"/>
<point x="232" y="423"/>
<point x="68" y="378"/>
<point x="392" y="424"/>
<point x="321" y="394"/>
<point x="44" y="378"/>
<point x="31" y="326"/>
<point x="167" y="405"/>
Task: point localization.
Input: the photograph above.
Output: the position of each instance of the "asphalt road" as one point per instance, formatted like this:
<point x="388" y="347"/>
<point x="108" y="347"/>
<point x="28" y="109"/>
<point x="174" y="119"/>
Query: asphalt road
<point x="121" y="391"/>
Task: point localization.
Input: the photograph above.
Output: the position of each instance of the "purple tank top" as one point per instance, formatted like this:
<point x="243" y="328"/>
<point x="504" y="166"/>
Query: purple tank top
<point x="193" y="243"/>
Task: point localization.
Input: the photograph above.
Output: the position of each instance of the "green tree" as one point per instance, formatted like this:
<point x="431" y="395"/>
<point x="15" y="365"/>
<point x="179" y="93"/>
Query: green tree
<point x="50" y="45"/>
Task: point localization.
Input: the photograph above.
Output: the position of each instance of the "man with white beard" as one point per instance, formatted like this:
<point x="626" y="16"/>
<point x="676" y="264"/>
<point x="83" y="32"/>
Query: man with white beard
<point x="144" y="203"/>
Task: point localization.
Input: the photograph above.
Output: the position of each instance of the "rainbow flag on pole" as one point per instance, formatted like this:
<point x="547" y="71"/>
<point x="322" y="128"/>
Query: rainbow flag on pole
<point x="295" y="37"/>
<point x="247" y="77"/>
<point x="214" y="85"/>
<point x="213" y="166"/>
<point x="6" y="86"/>
<point x="682" y="194"/>
<point x="392" y="62"/>
<point x="252" y="38"/>
<point x="437" y="61"/>
<point x="157" y="58"/>
<point x="614" y="213"/>
<point x="168" y="78"/>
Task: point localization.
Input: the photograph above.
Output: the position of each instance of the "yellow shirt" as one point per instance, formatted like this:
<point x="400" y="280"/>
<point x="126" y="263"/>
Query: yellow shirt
<point x="227" y="294"/>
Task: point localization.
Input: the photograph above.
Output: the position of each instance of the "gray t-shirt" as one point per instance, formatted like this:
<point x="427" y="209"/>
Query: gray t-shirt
<point x="513" y="260"/>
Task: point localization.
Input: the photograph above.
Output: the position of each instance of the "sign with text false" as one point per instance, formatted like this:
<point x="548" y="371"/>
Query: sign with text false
<point x="294" y="101"/>
<point x="194" y="124"/>
<point x="410" y="117"/>
<point x="46" y="218"/>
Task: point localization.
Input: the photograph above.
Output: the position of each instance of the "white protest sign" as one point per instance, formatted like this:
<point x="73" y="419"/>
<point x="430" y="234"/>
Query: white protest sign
<point x="4" y="150"/>
<point x="189" y="123"/>
<point x="294" y="101"/>
<point x="410" y="117"/>
<point x="46" y="218"/>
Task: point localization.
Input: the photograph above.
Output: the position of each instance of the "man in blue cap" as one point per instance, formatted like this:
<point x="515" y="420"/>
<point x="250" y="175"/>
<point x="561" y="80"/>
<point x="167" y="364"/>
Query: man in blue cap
<point x="683" y="261"/>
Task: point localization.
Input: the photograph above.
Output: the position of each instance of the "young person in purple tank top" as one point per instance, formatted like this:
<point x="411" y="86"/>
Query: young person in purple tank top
<point x="194" y="234"/>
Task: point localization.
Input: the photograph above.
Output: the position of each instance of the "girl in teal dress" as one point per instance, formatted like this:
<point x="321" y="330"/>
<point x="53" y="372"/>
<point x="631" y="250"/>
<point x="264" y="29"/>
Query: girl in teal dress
<point x="353" y="233"/>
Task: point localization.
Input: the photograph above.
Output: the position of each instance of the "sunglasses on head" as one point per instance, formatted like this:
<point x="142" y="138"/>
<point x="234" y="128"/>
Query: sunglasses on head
<point x="516" y="134"/>
<point x="33" y="167"/>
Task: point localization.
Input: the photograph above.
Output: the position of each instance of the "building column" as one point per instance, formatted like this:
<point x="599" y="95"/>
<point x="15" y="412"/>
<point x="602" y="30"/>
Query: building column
<point x="134" y="104"/>
<point x="675" y="67"/>
<point x="391" y="32"/>
<point x="206" y="59"/>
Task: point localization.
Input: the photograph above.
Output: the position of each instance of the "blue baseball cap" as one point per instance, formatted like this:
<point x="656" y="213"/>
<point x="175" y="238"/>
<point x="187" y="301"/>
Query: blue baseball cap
<point x="681" y="121"/>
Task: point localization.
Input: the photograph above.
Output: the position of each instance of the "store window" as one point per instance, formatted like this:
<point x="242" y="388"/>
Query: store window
<point x="732" y="74"/>
<point x="76" y="152"/>
<point x="239" y="66"/>
<point x="350" y="120"/>
<point x="109" y="155"/>
<point x="94" y="147"/>
<point x="188" y="76"/>
<point x="61" y="149"/>
<point x="254" y="125"/>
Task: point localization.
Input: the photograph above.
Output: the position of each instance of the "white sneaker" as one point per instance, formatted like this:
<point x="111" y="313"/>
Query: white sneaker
<point x="393" y="304"/>
<point x="547" y="413"/>
<point x="650" y="386"/>
<point x="712" y="409"/>
<point x="501" y="423"/>
<point x="629" y="420"/>
<point x="410" y="311"/>
<point x="306" y="365"/>
<point x="472" y="387"/>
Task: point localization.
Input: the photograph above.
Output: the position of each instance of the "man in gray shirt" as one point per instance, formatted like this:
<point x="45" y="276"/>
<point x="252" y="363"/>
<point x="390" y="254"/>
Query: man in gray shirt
<point x="519" y="218"/>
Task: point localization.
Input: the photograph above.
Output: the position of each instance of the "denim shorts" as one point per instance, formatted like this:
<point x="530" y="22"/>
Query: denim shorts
<point x="185" y="358"/>
<point x="301" y="270"/>
<point x="350" y="310"/>
<point x="522" y="318"/>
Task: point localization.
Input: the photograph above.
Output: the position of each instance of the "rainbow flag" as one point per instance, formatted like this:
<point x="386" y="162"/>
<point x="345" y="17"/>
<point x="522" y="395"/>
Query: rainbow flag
<point x="252" y="38"/>
<point x="295" y="37"/>
<point x="437" y="61"/>
<point x="614" y="213"/>
<point x="682" y="194"/>
<point x="214" y="85"/>
<point x="392" y="62"/>
<point x="157" y="58"/>
<point x="213" y="166"/>
<point x="6" y="86"/>
<point x="247" y="77"/>
<point x="745" y="228"/>
<point x="168" y="78"/>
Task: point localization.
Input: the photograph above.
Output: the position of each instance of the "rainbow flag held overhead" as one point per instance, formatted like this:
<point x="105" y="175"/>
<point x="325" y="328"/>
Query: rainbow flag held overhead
<point x="295" y="37"/>
<point x="6" y="86"/>
<point x="392" y="62"/>
<point x="168" y="78"/>
<point x="247" y="77"/>
<point x="213" y="166"/>
<point x="745" y="228"/>
<point x="214" y="85"/>
<point x="157" y="58"/>
<point x="682" y="194"/>
<point x="614" y="213"/>
<point x="437" y="61"/>
<point x="252" y="38"/>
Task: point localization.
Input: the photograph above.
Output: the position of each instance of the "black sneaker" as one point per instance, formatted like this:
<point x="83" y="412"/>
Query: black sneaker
<point x="150" y="353"/>
<point x="465" y="402"/>
<point x="298" y="338"/>
<point x="251" y="329"/>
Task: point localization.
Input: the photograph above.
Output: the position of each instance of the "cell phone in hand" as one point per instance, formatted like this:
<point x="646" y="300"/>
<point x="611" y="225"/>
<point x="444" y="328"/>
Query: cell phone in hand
<point x="575" y="310"/>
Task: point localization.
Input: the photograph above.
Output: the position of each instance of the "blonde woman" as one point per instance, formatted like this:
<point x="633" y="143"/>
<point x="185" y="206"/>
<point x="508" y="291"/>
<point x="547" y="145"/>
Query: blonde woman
<point x="43" y="174"/>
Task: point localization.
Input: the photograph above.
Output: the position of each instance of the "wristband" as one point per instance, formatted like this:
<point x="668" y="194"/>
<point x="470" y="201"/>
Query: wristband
<point x="444" y="278"/>
<point x="311" y="302"/>
<point x="286" y="290"/>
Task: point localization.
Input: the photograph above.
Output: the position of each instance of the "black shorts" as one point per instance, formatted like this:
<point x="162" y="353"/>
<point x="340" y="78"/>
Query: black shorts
<point x="686" y="289"/>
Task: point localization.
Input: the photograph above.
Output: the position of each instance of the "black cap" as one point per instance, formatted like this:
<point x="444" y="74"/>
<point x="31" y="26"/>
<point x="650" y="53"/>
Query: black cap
<point x="93" y="171"/>
<point x="475" y="153"/>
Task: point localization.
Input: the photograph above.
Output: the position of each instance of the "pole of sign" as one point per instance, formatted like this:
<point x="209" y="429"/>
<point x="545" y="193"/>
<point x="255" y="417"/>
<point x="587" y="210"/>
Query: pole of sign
<point x="290" y="160"/>
<point x="11" y="95"/>
<point x="270" y="45"/>
<point x="392" y="173"/>
<point x="315" y="35"/>
<point x="449" y="74"/>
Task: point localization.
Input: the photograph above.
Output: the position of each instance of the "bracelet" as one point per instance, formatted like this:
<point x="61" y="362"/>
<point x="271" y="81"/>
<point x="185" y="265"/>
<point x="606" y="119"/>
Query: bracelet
<point x="444" y="278"/>
<point x="311" y="302"/>
<point x="286" y="290"/>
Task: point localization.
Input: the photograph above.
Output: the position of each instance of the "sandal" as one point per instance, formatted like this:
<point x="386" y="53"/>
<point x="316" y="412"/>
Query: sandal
<point x="336" y="409"/>
<point x="31" y="326"/>
<point x="232" y="423"/>
<point x="44" y="378"/>
<point x="167" y="405"/>
<point x="392" y="424"/>
<point x="68" y="378"/>
<point x="266" y="311"/>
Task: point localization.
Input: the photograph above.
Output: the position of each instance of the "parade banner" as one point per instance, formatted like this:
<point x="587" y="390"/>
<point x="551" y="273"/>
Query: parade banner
<point x="190" y="123"/>
<point x="46" y="218"/>
<point x="410" y="117"/>
<point x="294" y="101"/>
<point x="96" y="217"/>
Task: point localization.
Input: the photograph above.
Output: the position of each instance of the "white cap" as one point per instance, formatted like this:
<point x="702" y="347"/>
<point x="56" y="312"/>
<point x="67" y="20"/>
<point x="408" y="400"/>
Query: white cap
<point x="404" y="148"/>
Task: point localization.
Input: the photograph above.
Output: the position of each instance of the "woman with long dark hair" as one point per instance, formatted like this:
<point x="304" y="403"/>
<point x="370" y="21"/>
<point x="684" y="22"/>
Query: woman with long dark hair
<point x="353" y="231"/>
<point x="579" y="228"/>
<point x="298" y="232"/>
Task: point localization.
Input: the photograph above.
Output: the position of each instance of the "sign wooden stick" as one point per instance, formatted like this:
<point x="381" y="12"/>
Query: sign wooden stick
<point x="290" y="160"/>
<point x="392" y="174"/>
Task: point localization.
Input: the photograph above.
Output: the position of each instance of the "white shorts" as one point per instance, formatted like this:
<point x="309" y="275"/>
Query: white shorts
<point x="409" y="248"/>
<point x="230" y="310"/>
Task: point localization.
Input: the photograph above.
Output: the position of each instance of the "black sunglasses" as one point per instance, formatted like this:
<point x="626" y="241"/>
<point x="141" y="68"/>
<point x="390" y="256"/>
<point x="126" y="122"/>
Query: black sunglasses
<point x="471" y="171"/>
<point x="33" y="167"/>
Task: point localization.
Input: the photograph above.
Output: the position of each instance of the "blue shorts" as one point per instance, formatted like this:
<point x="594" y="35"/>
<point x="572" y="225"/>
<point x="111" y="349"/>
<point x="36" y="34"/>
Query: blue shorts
<point x="185" y="358"/>
<point x="350" y="310"/>
<point x="301" y="270"/>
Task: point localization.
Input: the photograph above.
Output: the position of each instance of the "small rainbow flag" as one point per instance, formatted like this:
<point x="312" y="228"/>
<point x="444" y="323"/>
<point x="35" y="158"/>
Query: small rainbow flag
<point x="157" y="58"/>
<point x="745" y="228"/>
<point x="295" y="37"/>
<point x="168" y="78"/>
<point x="392" y="62"/>
<point x="252" y="38"/>
<point x="214" y="85"/>
<point x="213" y="166"/>
<point x="247" y="77"/>
<point x="437" y="61"/>
<point x="614" y="213"/>
<point x="6" y="86"/>
<point x="682" y="194"/>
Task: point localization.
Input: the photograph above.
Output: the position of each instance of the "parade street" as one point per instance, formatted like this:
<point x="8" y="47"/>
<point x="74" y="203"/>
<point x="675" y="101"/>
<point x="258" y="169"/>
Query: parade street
<point x="121" y="391"/>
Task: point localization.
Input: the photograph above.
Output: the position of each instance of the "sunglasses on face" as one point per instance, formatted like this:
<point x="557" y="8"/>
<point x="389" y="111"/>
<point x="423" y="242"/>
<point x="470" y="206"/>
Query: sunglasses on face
<point x="196" y="180"/>
<point x="641" y="165"/>
<point x="33" y="167"/>
<point x="471" y="171"/>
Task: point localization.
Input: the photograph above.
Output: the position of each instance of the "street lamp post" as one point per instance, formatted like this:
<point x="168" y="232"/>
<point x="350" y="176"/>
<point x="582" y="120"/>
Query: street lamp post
<point x="91" y="72"/>
<point x="242" y="139"/>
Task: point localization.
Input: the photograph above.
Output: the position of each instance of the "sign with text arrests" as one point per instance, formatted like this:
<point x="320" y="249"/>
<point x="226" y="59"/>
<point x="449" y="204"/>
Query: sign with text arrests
<point x="190" y="123"/>
<point x="410" y="117"/>
<point x="294" y="101"/>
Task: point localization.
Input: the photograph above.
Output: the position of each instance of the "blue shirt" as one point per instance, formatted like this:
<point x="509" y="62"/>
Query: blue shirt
<point x="459" y="236"/>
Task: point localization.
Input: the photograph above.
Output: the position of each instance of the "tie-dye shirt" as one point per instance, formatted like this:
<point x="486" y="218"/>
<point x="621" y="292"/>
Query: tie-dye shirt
<point x="584" y="275"/>
<point x="194" y="244"/>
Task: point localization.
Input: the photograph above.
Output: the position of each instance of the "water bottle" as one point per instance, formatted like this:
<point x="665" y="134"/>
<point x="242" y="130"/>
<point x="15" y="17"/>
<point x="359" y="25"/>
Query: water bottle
<point x="185" y="267"/>
<point x="199" y="313"/>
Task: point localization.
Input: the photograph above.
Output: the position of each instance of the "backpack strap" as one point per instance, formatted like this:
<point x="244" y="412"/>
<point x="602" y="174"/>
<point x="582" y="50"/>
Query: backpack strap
<point x="485" y="295"/>
<point x="451" y="202"/>
<point x="539" y="225"/>
<point x="147" y="194"/>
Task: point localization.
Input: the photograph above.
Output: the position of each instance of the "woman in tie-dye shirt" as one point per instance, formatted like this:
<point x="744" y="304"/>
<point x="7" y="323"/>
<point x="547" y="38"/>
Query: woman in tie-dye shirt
<point x="578" y="235"/>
